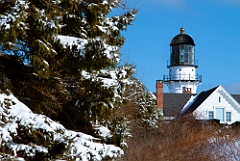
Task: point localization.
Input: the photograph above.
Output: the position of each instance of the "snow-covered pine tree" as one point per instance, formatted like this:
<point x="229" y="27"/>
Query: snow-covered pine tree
<point x="138" y="111"/>
<point x="25" y="135"/>
<point x="96" y="81"/>
<point x="73" y="46"/>
<point x="28" y="29"/>
<point x="141" y="104"/>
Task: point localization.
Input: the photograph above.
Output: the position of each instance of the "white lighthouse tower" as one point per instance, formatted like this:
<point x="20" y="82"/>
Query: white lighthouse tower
<point x="182" y="66"/>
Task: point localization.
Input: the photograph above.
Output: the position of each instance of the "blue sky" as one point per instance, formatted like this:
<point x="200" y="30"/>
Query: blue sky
<point x="213" y="24"/>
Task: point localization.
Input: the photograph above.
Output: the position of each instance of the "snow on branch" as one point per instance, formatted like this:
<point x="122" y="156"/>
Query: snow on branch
<point x="18" y="121"/>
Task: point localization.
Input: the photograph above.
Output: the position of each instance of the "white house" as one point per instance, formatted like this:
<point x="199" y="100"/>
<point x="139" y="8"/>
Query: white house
<point x="215" y="103"/>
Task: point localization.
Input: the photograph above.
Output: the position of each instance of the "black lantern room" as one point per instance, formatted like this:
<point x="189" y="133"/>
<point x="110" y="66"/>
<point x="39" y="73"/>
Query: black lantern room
<point x="182" y="50"/>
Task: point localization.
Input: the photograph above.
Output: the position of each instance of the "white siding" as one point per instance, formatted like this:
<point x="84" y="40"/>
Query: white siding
<point x="177" y="87"/>
<point x="219" y="98"/>
<point x="182" y="73"/>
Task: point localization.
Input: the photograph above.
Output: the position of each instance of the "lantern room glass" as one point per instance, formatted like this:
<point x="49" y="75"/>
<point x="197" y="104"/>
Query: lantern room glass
<point x="182" y="55"/>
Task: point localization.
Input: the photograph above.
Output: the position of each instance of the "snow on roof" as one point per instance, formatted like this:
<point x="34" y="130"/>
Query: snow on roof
<point x="188" y="104"/>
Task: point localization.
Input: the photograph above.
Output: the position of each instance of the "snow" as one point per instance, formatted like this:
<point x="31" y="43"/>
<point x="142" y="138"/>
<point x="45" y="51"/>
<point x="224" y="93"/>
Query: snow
<point x="70" y="41"/>
<point x="112" y="79"/>
<point x="51" y="24"/>
<point x="104" y="131"/>
<point x="103" y="29"/>
<point x="110" y="51"/>
<point x="225" y="147"/>
<point x="105" y="2"/>
<point x="188" y="104"/>
<point x="17" y="114"/>
<point x="6" y="20"/>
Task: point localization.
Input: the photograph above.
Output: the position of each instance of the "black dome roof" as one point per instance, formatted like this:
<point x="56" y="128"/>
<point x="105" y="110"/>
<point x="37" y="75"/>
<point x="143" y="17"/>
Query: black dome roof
<point x="182" y="39"/>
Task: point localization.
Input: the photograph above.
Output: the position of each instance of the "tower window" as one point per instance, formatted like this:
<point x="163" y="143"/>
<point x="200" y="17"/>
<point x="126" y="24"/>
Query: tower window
<point x="219" y="99"/>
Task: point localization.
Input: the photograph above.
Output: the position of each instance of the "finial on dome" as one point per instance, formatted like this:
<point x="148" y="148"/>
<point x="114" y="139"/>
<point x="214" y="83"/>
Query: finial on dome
<point x="182" y="30"/>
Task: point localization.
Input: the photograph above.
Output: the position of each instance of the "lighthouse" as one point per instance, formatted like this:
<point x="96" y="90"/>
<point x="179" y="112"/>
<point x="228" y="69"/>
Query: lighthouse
<point x="182" y="77"/>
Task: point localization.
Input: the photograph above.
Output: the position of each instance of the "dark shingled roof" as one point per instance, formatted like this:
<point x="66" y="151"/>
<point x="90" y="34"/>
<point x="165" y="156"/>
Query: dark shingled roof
<point x="182" y="39"/>
<point x="173" y="103"/>
<point x="199" y="100"/>
<point x="236" y="97"/>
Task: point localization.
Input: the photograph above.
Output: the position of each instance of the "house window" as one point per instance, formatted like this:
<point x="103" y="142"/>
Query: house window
<point x="210" y="115"/>
<point x="228" y="116"/>
<point x="219" y="99"/>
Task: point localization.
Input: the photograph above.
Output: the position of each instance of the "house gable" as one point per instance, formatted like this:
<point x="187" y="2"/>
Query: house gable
<point x="230" y="99"/>
<point x="191" y="106"/>
<point x="215" y="103"/>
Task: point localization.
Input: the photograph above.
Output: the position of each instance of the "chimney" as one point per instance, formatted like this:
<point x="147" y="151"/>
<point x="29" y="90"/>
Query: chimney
<point x="187" y="90"/>
<point x="182" y="30"/>
<point x="159" y="94"/>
